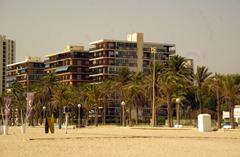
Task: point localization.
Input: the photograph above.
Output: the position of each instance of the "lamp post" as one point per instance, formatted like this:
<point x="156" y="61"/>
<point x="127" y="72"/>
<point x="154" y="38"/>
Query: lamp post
<point x="153" y="50"/>
<point x="16" y="116"/>
<point x="79" y="115"/>
<point x="178" y="101"/>
<point x="44" y="109"/>
<point x="123" y="114"/>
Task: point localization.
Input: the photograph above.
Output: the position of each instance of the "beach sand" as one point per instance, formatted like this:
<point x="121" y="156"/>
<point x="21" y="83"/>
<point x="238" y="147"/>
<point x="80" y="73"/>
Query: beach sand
<point x="115" y="141"/>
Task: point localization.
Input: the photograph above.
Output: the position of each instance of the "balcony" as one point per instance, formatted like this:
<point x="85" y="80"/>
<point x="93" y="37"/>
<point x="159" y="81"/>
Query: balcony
<point x="171" y="52"/>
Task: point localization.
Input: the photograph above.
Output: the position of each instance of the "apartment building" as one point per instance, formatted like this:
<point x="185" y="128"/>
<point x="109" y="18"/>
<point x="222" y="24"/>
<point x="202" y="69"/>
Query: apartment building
<point x="7" y="56"/>
<point x="70" y="65"/>
<point x="107" y="56"/>
<point x="26" y="72"/>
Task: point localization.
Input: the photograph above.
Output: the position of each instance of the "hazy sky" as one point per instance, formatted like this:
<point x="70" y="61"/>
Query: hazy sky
<point x="206" y="30"/>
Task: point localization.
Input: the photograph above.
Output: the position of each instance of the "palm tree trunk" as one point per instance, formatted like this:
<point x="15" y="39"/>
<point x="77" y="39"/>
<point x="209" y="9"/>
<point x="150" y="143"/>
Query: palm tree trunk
<point x="130" y="113"/>
<point x="36" y="118"/>
<point x="60" y="118"/>
<point x="136" y="114"/>
<point x="87" y="118"/>
<point x="200" y="102"/>
<point x="104" y="112"/>
<point x="171" y="115"/>
<point x="96" y="117"/>
<point x="231" y="112"/>
<point x="218" y="111"/>
<point x="169" y="112"/>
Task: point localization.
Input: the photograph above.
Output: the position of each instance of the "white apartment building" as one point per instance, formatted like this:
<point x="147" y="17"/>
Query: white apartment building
<point x="7" y="56"/>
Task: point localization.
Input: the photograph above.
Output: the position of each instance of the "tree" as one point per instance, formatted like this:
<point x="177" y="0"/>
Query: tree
<point x="94" y="94"/>
<point x="168" y="86"/>
<point x="215" y="86"/>
<point x="19" y="97"/>
<point x="61" y="97"/>
<point x="47" y="85"/>
<point x="84" y="100"/>
<point x="90" y="95"/>
<point x="200" y="77"/>
<point x="106" y="90"/>
<point x="175" y="79"/>
<point x="148" y="86"/>
<point x="231" y="92"/>
<point x="121" y="80"/>
<point x="134" y="92"/>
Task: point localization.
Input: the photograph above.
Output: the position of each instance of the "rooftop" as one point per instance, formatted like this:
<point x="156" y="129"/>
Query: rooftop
<point x="28" y="59"/>
<point x="68" y="48"/>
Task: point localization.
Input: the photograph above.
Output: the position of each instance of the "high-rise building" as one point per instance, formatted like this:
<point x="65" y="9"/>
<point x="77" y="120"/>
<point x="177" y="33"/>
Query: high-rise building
<point x="26" y="72"/>
<point x="7" y="56"/>
<point x="107" y="56"/>
<point x="71" y="65"/>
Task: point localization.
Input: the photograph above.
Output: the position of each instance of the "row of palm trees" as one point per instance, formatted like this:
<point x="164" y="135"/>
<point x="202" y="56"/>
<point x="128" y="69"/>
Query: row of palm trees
<point x="202" y="92"/>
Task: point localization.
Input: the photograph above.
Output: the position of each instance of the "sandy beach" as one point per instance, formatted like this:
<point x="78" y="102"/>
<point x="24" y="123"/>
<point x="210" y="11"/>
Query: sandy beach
<point x="111" y="141"/>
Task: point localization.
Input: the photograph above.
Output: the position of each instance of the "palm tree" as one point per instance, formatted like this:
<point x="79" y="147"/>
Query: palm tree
<point x="201" y="76"/>
<point x="90" y="98"/>
<point x="231" y="92"/>
<point x="134" y="92"/>
<point x="122" y="79"/>
<point x="47" y="84"/>
<point x="148" y="86"/>
<point x="124" y="76"/>
<point x="61" y="97"/>
<point x="177" y="66"/>
<point x="19" y="97"/>
<point x="106" y="90"/>
<point x="215" y="85"/>
<point x="168" y="87"/>
<point x="174" y="77"/>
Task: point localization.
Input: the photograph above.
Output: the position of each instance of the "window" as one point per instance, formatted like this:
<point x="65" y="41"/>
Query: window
<point x="111" y="45"/>
<point x="79" y="77"/>
<point x="111" y="54"/>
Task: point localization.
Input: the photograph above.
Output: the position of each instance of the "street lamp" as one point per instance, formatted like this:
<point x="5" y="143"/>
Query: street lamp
<point x="16" y="116"/>
<point x="79" y="114"/>
<point x="154" y="50"/>
<point x="123" y="113"/>
<point x="44" y="109"/>
<point x="178" y="101"/>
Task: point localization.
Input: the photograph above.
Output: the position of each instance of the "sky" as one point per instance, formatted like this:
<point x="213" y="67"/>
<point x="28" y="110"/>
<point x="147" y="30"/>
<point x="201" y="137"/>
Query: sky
<point x="207" y="31"/>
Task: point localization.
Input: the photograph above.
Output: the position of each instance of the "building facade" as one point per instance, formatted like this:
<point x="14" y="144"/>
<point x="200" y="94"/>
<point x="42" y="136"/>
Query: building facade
<point x="7" y="56"/>
<point x="71" y="65"/>
<point x="108" y="56"/>
<point x="26" y="72"/>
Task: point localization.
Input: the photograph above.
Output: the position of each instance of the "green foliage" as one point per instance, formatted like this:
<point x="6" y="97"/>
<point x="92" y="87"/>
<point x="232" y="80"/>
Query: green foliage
<point x="173" y="80"/>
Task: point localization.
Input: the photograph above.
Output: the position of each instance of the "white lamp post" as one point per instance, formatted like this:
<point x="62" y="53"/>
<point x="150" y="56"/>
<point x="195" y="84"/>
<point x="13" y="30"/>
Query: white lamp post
<point x="44" y="109"/>
<point x="178" y="101"/>
<point x="44" y="113"/>
<point x="123" y="113"/>
<point x="79" y="115"/>
<point x="16" y="116"/>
